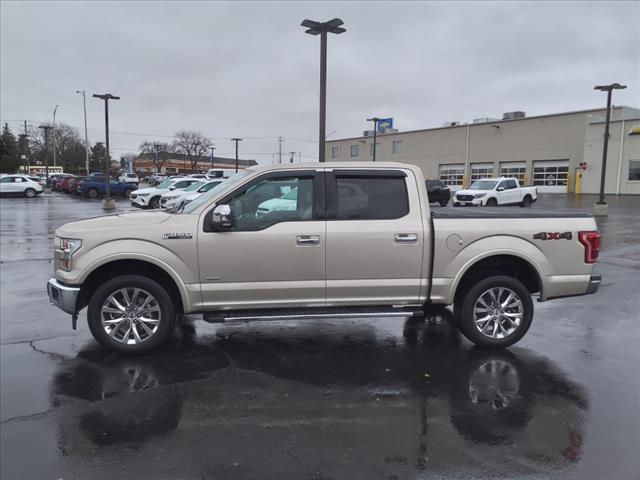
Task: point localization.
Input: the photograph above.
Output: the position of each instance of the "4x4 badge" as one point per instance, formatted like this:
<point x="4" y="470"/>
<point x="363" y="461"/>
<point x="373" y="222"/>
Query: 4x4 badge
<point x="552" y="236"/>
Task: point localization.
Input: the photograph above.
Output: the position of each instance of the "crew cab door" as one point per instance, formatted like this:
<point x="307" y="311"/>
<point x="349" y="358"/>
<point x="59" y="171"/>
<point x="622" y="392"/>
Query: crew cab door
<point x="374" y="237"/>
<point x="274" y="254"/>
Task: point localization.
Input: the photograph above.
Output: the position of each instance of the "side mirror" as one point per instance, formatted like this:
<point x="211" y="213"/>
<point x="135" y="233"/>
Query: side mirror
<point x="222" y="218"/>
<point x="172" y="188"/>
<point x="500" y="189"/>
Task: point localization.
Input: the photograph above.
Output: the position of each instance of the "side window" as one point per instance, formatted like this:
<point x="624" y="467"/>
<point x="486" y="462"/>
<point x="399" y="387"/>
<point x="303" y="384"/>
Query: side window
<point x="5" y="180"/>
<point x="335" y="153"/>
<point x="355" y="151"/>
<point x="271" y="201"/>
<point x="511" y="184"/>
<point x="502" y="184"/>
<point x="18" y="179"/>
<point x="371" y="198"/>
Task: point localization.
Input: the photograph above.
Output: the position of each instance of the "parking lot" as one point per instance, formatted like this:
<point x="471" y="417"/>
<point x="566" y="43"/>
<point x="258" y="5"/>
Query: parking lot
<point x="341" y="399"/>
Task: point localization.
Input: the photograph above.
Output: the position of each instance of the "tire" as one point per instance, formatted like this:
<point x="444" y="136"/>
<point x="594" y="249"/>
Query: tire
<point x="29" y="193"/>
<point x="526" y="201"/>
<point x="154" y="202"/>
<point x="492" y="202"/>
<point x="456" y="204"/>
<point x="511" y="322"/>
<point x="132" y="335"/>
<point x="127" y="192"/>
<point x="93" y="193"/>
<point x="444" y="203"/>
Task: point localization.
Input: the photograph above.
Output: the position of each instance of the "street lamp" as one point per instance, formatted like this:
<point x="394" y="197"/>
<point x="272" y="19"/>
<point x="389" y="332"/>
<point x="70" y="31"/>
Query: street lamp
<point x="375" y="121"/>
<point x="212" y="157"/>
<point x="86" y="135"/>
<point x="47" y="129"/>
<point x="322" y="28"/>
<point x="236" y="140"/>
<point x="107" y="203"/>
<point x="54" y="134"/>
<point x="196" y="149"/>
<point x="601" y="209"/>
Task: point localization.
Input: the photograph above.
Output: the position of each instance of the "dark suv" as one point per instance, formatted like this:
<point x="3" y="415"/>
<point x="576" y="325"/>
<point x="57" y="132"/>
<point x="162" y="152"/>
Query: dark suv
<point x="438" y="192"/>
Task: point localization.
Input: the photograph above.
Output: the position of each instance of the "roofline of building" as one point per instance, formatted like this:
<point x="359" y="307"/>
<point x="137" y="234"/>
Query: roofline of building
<point x="615" y="107"/>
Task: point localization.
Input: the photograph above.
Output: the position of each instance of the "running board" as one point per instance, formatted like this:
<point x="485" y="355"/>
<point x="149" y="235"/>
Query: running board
<point x="309" y="313"/>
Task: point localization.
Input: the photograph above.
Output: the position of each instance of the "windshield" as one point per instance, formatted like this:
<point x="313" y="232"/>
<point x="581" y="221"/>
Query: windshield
<point x="193" y="186"/>
<point x="482" y="185"/>
<point x="205" y="197"/>
<point x="166" y="184"/>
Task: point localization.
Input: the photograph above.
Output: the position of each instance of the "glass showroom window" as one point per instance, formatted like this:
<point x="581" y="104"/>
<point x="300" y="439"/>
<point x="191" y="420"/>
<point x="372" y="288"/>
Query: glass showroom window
<point x="355" y="151"/>
<point x="634" y="170"/>
<point x="396" y="148"/>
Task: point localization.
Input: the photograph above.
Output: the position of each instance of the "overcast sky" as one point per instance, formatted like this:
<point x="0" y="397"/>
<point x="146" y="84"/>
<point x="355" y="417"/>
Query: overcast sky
<point x="248" y="70"/>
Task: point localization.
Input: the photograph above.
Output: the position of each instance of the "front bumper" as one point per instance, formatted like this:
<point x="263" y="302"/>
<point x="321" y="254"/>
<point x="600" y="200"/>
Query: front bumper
<point x="140" y="202"/>
<point x="473" y="202"/>
<point x="594" y="284"/>
<point x="63" y="296"/>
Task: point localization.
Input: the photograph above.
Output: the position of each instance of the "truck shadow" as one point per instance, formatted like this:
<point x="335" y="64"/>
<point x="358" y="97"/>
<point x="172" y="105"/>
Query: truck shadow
<point x="427" y="373"/>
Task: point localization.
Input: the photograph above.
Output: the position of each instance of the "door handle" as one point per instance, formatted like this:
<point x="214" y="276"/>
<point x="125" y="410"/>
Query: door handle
<point x="405" y="238"/>
<point x="307" y="240"/>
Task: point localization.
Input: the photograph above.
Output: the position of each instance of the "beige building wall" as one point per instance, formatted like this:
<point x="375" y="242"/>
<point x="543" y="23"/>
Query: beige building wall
<point x="558" y="137"/>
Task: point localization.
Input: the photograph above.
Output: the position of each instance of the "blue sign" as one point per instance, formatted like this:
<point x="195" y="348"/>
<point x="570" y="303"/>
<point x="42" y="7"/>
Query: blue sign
<point x="385" y="124"/>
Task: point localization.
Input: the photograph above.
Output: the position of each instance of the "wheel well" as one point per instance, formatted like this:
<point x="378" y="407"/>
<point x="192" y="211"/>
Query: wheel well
<point x="508" y="265"/>
<point x="128" y="267"/>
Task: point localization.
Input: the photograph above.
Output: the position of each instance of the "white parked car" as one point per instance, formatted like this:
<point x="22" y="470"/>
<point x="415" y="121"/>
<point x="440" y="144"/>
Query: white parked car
<point x="199" y="176"/>
<point x="21" y="185"/>
<point x="174" y="198"/>
<point x="150" y="197"/>
<point x="129" y="178"/>
<point x="219" y="173"/>
<point x="496" y="191"/>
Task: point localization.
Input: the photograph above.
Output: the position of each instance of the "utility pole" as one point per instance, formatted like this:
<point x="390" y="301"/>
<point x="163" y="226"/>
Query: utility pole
<point x="107" y="203"/>
<point x="322" y="29"/>
<point x="212" y="157"/>
<point x="86" y="135"/>
<point x="375" y="121"/>
<point x="156" y="156"/>
<point x="292" y="154"/>
<point x="280" y="140"/>
<point x="26" y="147"/>
<point x="54" y="134"/>
<point x="46" y="129"/>
<point x="601" y="208"/>
<point x="236" y="140"/>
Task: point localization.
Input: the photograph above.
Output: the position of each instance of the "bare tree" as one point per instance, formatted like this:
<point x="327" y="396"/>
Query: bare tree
<point x="69" y="147"/>
<point x="192" y="144"/>
<point x="159" y="152"/>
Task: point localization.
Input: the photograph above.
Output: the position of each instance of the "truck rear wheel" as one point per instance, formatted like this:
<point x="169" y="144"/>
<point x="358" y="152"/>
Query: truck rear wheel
<point x="495" y="312"/>
<point x="131" y="314"/>
<point x="526" y="201"/>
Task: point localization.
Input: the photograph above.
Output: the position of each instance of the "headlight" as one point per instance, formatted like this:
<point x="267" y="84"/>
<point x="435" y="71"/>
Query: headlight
<point x="67" y="247"/>
<point x="142" y="194"/>
<point x="479" y="195"/>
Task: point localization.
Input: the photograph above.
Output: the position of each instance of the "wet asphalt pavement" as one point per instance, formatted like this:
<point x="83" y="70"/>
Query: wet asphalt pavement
<point x="343" y="399"/>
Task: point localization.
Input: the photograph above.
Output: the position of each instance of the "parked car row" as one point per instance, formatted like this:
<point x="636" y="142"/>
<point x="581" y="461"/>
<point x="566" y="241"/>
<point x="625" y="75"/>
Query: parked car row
<point x="91" y="186"/>
<point x="212" y="174"/>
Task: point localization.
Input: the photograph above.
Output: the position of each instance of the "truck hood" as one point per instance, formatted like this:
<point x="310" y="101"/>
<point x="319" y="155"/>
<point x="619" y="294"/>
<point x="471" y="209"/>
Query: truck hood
<point x="115" y="223"/>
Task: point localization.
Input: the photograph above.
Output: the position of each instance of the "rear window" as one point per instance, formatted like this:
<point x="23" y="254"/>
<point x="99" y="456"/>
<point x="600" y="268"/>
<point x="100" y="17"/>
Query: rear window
<point x="371" y="198"/>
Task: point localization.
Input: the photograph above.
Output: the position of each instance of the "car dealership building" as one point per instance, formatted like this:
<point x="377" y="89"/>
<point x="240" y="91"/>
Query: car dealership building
<point x="557" y="153"/>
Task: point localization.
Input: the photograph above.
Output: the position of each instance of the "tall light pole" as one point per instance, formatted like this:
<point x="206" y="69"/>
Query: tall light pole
<point x="47" y="129"/>
<point x="375" y="121"/>
<point x="86" y="135"/>
<point x="212" y="157"/>
<point x="292" y="154"/>
<point x="236" y="140"/>
<point x="602" y="209"/>
<point x="196" y="147"/>
<point x="107" y="203"/>
<point x="54" y="134"/>
<point x="322" y="28"/>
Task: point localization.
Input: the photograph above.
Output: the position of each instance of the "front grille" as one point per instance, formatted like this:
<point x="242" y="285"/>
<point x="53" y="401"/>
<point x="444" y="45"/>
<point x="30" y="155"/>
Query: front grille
<point x="465" y="198"/>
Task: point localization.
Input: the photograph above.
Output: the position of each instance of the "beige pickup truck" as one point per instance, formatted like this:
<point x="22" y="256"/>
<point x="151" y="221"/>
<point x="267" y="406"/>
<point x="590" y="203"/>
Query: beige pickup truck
<point x="343" y="240"/>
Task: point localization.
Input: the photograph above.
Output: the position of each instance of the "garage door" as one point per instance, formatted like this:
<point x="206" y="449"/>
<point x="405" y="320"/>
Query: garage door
<point x="514" y="169"/>
<point x="452" y="175"/>
<point x="481" y="170"/>
<point x="551" y="175"/>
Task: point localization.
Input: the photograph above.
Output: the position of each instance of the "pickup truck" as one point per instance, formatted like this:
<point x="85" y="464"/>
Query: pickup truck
<point x="94" y="186"/>
<point x="496" y="191"/>
<point x="386" y="255"/>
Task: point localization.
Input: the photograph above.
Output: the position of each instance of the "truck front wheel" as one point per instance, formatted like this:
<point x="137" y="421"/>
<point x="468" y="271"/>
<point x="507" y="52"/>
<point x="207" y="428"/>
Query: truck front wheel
<point x="131" y="314"/>
<point x="495" y="312"/>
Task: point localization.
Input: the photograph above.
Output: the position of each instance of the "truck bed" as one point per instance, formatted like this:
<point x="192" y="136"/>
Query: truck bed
<point x="504" y="212"/>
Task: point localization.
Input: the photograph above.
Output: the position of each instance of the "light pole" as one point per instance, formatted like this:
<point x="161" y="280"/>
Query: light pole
<point x="600" y="208"/>
<point x="86" y="135"/>
<point x="196" y="149"/>
<point x="107" y="203"/>
<point x="292" y="154"/>
<point x="46" y="129"/>
<point x="322" y="28"/>
<point x="375" y="121"/>
<point x="236" y="140"/>
<point x="54" y="134"/>
<point x="212" y="157"/>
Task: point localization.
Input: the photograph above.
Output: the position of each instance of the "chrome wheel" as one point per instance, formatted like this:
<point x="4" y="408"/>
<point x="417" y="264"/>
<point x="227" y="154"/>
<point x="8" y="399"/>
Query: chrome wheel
<point x="130" y="315"/>
<point x="498" y="312"/>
